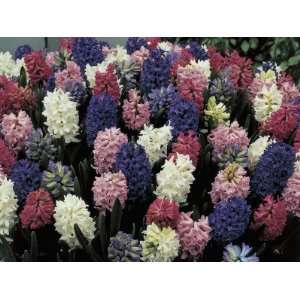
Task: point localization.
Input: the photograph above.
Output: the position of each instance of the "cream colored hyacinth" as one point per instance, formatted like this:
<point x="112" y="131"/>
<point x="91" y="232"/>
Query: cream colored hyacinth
<point x="201" y="65"/>
<point x="175" y="179"/>
<point x="8" y="66"/>
<point x="216" y="113"/>
<point x="73" y="210"/>
<point x="297" y="162"/>
<point x="267" y="76"/>
<point x="8" y="206"/>
<point x="266" y="102"/>
<point x="155" y="141"/>
<point x="165" y="46"/>
<point x="160" y="244"/>
<point x="118" y="56"/>
<point x="61" y="116"/>
<point x="256" y="150"/>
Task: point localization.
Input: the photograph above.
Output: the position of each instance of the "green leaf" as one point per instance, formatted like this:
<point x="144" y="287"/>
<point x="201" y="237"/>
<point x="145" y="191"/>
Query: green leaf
<point x="245" y="46"/>
<point x="116" y="217"/>
<point x="77" y="189"/>
<point x="8" y="254"/>
<point x="294" y="60"/>
<point x="86" y="245"/>
<point x="101" y="226"/>
<point x="253" y="43"/>
<point x="34" y="250"/>
<point x="22" y="78"/>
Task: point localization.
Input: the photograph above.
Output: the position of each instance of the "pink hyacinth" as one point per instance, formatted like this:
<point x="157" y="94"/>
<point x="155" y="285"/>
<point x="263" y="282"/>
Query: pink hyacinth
<point x="135" y="112"/>
<point x="297" y="140"/>
<point x="38" y="210"/>
<point x="140" y="55"/>
<point x="282" y="123"/>
<point x="66" y="44"/>
<point x="106" y="146"/>
<point x="193" y="235"/>
<point x="255" y="87"/>
<point x="108" y="188"/>
<point x="71" y="72"/>
<point x="191" y="84"/>
<point x="289" y="91"/>
<point x="52" y="59"/>
<point x="187" y="143"/>
<point x="230" y="182"/>
<point x="163" y="212"/>
<point x="16" y="129"/>
<point x="271" y="215"/>
<point x="223" y="136"/>
<point x="291" y="194"/>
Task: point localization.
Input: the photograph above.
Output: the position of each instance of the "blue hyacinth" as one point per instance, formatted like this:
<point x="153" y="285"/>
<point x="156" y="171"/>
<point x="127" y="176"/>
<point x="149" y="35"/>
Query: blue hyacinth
<point x="199" y="52"/>
<point x="133" y="162"/>
<point x="161" y="98"/>
<point x="101" y="114"/>
<point x="135" y="43"/>
<point x="87" y="51"/>
<point x="235" y="253"/>
<point x="183" y="116"/>
<point x="156" y="71"/>
<point x="50" y="85"/>
<point x="123" y="248"/>
<point x="26" y="177"/>
<point x="230" y="219"/>
<point x="76" y="90"/>
<point x="273" y="170"/>
<point x="22" y="50"/>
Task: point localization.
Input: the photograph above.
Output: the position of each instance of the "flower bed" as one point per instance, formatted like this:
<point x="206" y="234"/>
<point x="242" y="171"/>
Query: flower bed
<point x="151" y="152"/>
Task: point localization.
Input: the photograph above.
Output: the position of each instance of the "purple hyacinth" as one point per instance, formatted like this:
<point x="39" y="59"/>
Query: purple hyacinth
<point x="76" y="90"/>
<point x="26" y="177"/>
<point x="133" y="162"/>
<point x="199" y="52"/>
<point x="156" y="71"/>
<point x="87" y="50"/>
<point x="22" y="50"/>
<point x="101" y="114"/>
<point x="161" y="98"/>
<point x="230" y="219"/>
<point x="135" y="43"/>
<point x="183" y="116"/>
<point x="273" y="170"/>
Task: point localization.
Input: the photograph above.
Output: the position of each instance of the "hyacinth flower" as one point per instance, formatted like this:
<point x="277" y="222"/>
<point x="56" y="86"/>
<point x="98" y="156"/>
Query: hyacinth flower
<point x="235" y="253"/>
<point x="58" y="180"/>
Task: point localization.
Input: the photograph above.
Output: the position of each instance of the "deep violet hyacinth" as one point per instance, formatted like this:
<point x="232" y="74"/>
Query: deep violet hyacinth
<point x="273" y="170"/>
<point x="199" y="52"/>
<point x="87" y="50"/>
<point x="26" y="177"/>
<point x="101" y="114"/>
<point x="135" y="43"/>
<point x="76" y="90"/>
<point x="230" y="219"/>
<point x="133" y="162"/>
<point x="183" y="116"/>
<point x="22" y="50"/>
<point x="160" y="99"/>
<point x="156" y="71"/>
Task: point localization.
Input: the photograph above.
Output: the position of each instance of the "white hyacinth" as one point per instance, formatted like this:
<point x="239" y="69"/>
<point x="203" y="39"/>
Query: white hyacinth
<point x="201" y="65"/>
<point x="160" y="244"/>
<point x="165" y="46"/>
<point x="8" y="66"/>
<point x="73" y="210"/>
<point x="256" y="150"/>
<point x="118" y="56"/>
<point x="297" y="162"/>
<point x="155" y="141"/>
<point x="61" y="115"/>
<point x="266" y="102"/>
<point x="8" y="206"/>
<point x="175" y="179"/>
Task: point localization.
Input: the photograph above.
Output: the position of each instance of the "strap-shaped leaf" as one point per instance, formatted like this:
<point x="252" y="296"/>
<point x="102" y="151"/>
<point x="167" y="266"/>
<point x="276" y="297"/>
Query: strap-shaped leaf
<point x="116" y="217"/>
<point x="7" y="250"/>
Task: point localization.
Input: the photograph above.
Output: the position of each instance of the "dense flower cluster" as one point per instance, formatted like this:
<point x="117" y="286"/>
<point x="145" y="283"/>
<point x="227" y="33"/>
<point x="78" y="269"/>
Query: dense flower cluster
<point x="106" y="147"/>
<point x="273" y="170"/>
<point x="271" y="215"/>
<point x="154" y="151"/>
<point x="230" y="219"/>
<point x="123" y="248"/>
<point x="38" y="210"/>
